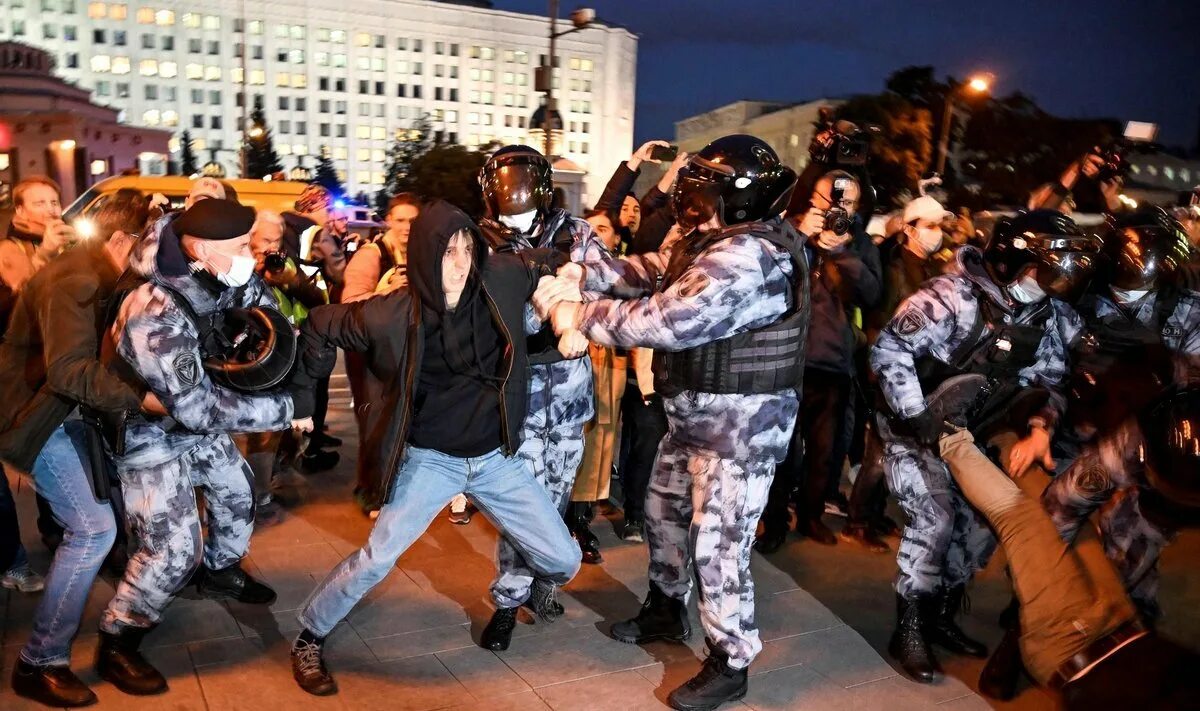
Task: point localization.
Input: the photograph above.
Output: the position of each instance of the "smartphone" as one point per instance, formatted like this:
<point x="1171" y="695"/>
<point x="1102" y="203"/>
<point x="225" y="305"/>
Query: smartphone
<point x="664" y="153"/>
<point x="1140" y="131"/>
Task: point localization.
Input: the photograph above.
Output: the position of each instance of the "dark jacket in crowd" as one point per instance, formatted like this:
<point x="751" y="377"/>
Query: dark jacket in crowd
<point x="391" y="331"/>
<point x="657" y="217"/>
<point x="840" y="281"/>
<point x="49" y="360"/>
<point x="903" y="273"/>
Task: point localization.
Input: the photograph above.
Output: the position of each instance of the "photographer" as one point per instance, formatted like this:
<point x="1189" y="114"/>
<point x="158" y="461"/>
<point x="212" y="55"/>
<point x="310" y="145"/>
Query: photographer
<point x="845" y="273"/>
<point x="643" y="224"/>
<point x="1102" y="168"/>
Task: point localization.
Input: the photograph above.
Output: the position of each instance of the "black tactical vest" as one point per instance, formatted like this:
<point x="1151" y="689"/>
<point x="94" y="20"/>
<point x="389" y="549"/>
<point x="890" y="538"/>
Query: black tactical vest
<point x="543" y="345"/>
<point x="764" y="360"/>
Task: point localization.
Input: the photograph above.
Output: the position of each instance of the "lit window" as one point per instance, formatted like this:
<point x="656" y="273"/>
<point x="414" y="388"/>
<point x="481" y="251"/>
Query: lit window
<point x="151" y="117"/>
<point x="191" y="19"/>
<point x="296" y="32"/>
<point x="321" y="59"/>
<point x="194" y="71"/>
<point x="256" y="27"/>
<point x="167" y="70"/>
<point x="339" y="60"/>
<point x="488" y="75"/>
<point x="120" y="65"/>
<point x="363" y="154"/>
<point x="170" y="118"/>
<point x="487" y="53"/>
<point x="199" y="144"/>
<point x="97" y="10"/>
<point x="212" y="22"/>
<point x="509" y="78"/>
<point x="363" y="63"/>
<point x="148" y="67"/>
<point x="451" y="116"/>
<point x="473" y="74"/>
<point x="296" y="56"/>
<point x="522" y="58"/>
<point x="299" y="81"/>
<point x="257" y="77"/>
<point x="585" y="65"/>
<point x="284" y="149"/>
<point x="145" y="16"/>
<point x="338" y="36"/>
<point x="164" y="18"/>
<point x="235" y="75"/>
<point x="574" y="63"/>
<point x="362" y="39"/>
<point x="282" y="79"/>
<point x="402" y="67"/>
<point x="212" y="73"/>
<point x="379" y="133"/>
<point x="101" y="63"/>
<point x="362" y="131"/>
<point x="300" y="149"/>
<point x="117" y="12"/>
<point x="322" y="34"/>
<point x="378" y="64"/>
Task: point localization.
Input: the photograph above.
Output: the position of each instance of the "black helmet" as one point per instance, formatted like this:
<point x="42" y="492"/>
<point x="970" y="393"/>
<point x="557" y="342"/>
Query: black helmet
<point x="737" y="177"/>
<point x="1048" y="241"/>
<point x="261" y="348"/>
<point x="1171" y="436"/>
<point x="1145" y="249"/>
<point x="515" y="180"/>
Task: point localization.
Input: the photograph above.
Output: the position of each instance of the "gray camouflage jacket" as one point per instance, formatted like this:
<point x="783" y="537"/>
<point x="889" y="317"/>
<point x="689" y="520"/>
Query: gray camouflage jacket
<point x="161" y="345"/>
<point x="1180" y="334"/>
<point x="936" y="319"/>
<point x="560" y="394"/>
<point x="735" y="285"/>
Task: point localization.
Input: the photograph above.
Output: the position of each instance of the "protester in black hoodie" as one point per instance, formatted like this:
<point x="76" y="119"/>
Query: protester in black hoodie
<point x="457" y="397"/>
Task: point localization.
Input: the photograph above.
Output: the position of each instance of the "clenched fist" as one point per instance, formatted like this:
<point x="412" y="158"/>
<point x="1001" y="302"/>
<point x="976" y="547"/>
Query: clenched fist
<point x="572" y="344"/>
<point x="565" y="317"/>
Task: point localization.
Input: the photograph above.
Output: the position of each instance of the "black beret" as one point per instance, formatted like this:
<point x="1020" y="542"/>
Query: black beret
<point x="215" y="220"/>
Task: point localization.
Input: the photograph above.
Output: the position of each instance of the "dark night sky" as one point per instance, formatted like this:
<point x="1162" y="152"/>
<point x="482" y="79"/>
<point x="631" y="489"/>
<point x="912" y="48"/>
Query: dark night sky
<point x="1077" y="58"/>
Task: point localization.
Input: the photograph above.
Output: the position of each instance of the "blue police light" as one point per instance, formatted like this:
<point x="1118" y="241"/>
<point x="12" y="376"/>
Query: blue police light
<point x="339" y="204"/>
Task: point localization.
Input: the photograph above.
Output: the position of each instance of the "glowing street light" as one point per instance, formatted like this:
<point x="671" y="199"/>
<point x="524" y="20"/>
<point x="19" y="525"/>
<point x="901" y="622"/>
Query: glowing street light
<point x="979" y="83"/>
<point x="255" y="131"/>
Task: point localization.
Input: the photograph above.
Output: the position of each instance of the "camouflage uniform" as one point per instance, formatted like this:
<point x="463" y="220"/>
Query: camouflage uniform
<point x="560" y="403"/>
<point x="1107" y="474"/>
<point x="166" y="457"/>
<point x="945" y="542"/>
<point x="714" y="467"/>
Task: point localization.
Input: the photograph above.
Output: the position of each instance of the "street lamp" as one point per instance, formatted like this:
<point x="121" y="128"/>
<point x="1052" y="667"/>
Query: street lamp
<point x="978" y="84"/>
<point x="581" y="19"/>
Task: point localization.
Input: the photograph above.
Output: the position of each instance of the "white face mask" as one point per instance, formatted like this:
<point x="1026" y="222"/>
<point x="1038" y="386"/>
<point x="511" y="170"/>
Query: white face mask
<point x="520" y="223"/>
<point x="924" y="241"/>
<point x="240" y="271"/>
<point x="1128" y="297"/>
<point x="1026" y="290"/>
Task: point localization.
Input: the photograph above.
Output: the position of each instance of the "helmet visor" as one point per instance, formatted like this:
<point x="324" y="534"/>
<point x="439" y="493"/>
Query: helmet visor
<point x="515" y="187"/>
<point x="1065" y="265"/>
<point x="697" y="195"/>
<point x="1172" y="431"/>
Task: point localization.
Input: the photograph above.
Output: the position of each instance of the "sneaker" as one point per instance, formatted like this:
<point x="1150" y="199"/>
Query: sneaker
<point x="308" y="666"/>
<point x="22" y="579"/>
<point x="267" y="513"/>
<point x="460" y="514"/>
<point x="634" y="531"/>
<point x="543" y="600"/>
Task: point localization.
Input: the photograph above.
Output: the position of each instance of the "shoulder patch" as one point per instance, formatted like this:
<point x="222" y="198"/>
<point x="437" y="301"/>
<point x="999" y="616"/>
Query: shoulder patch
<point x="187" y="368"/>
<point x="692" y="283"/>
<point x="911" y="322"/>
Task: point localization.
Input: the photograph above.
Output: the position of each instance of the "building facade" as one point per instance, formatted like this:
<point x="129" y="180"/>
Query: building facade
<point x="49" y="127"/>
<point x="788" y="128"/>
<point x="345" y="77"/>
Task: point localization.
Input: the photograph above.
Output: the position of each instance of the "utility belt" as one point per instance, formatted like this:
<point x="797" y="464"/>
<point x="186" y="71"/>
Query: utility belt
<point x="1096" y="652"/>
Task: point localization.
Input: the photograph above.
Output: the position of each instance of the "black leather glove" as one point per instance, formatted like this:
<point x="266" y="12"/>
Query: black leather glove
<point x="925" y="429"/>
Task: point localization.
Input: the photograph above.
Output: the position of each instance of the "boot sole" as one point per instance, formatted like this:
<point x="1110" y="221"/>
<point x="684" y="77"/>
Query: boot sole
<point x="708" y="707"/>
<point x="55" y="702"/>
<point x="321" y="691"/>
<point x="628" y="639"/>
<point x="933" y="676"/>
<point x="209" y="594"/>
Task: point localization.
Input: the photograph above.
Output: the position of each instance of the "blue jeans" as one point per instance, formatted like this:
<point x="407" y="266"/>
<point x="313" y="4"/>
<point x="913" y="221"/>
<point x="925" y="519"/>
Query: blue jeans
<point x="61" y="474"/>
<point x="501" y="487"/>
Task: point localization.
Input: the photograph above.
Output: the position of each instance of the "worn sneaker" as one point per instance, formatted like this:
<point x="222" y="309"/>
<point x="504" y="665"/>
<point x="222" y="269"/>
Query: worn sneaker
<point x="267" y="513"/>
<point x="22" y="579"/>
<point x="543" y="600"/>
<point x="460" y="513"/>
<point x="634" y="531"/>
<point x="308" y="666"/>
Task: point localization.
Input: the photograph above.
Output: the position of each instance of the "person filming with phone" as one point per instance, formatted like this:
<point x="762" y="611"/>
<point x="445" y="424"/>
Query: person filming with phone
<point x="845" y="273"/>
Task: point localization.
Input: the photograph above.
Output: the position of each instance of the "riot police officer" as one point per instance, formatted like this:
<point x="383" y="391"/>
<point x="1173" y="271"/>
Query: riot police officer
<point x="728" y="325"/>
<point x="191" y="268"/>
<point x="999" y="314"/>
<point x="517" y="192"/>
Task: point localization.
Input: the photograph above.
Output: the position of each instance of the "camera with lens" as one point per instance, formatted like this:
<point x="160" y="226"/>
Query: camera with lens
<point x="278" y="270"/>
<point x="1115" y="164"/>
<point x="837" y="219"/>
<point x="840" y="143"/>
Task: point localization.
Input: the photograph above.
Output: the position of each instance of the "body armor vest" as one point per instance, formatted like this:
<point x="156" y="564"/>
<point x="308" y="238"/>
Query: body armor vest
<point x="543" y="345"/>
<point x="763" y="360"/>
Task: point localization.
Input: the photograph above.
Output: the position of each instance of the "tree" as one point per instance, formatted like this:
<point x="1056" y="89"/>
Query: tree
<point x="187" y="156"/>
<point x="261" y="159"/>
<point x="407" y="147"/>
<point x="901" y="151"/>
<point x="447" y="172"/>
<point x="326" y="175"/>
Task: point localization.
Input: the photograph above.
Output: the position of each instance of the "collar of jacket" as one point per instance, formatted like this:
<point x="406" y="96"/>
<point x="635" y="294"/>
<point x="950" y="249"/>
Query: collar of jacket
<point x="16" y="233"/>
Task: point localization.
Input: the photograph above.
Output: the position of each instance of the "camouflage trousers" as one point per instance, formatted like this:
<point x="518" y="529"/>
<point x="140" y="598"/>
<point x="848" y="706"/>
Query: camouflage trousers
<point x="162" y="515"/>
<point x="553" y="456"/>
<point x="701" y="513"/>
<point x="945" y="541"/>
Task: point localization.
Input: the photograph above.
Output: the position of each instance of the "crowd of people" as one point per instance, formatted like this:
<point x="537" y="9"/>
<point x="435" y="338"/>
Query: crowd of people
<point x="730" y="347"/>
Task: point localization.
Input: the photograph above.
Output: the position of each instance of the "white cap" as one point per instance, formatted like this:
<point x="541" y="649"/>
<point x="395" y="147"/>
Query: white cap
<point x="925" y="208"/>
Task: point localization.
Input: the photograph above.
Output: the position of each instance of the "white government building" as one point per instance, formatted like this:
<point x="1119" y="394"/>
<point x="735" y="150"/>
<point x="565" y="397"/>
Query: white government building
<point x="346" y="75"/>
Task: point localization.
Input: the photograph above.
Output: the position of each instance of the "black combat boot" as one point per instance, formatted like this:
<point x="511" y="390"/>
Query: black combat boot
<point x="543" y="600"/>
<point x="498" y="633"/>
<point x="233" y="583"/>
<point x="51" y="686"/>
<point x="1002" y="673"/>
<point x="308" y="665"/>
<point x="661" y="617"/>
<point x="945" y="632"/>
<point x="119" y="663"/>
<point x="908" y="645"/>
<point x="716" y="684"/>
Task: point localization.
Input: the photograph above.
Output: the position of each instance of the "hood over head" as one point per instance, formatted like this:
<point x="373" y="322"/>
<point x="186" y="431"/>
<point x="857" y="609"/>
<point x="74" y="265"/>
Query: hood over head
<point x="427" y="242"/>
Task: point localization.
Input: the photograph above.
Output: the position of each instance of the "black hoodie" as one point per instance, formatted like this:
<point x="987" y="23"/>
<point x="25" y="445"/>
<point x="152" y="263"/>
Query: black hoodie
<point x="390" y="329"/>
